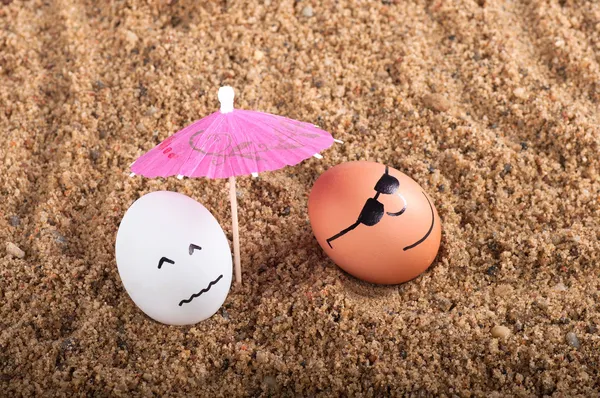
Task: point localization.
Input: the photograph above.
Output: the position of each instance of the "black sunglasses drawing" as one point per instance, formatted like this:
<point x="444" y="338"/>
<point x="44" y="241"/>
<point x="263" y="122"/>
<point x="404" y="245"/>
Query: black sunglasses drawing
<point x="373" y="210"/>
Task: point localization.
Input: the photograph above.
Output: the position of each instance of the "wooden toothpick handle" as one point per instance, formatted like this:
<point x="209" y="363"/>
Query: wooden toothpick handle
<point x="235" y="230"/>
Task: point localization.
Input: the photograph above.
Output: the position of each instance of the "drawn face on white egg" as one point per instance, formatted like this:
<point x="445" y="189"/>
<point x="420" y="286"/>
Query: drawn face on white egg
<point x="173" y="258"/>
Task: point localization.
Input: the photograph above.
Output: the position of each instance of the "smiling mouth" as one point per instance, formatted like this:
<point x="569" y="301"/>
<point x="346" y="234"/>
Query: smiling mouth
<point x="417" y="243"/>
<point x="193" y="296"/>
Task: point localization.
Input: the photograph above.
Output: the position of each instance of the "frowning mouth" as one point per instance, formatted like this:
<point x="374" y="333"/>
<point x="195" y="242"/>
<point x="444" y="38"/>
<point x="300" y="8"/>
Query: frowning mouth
<point x="193" y="296"/>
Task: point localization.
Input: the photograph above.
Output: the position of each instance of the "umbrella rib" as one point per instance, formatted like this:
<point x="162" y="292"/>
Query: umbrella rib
<point x="305" y="150"/>
<point x="230" y="159"/>
<point x="256" y="124"/>
<point x="308" y="151"/>
<point x="184" y="133"/>
<point x="212" y="167"/>
<point x="153" y="159"/>
<point x="234" y="143"/>
<point x="206" y="150"/>
<point x="179" y="165"/>
<point x="246" y="138"/>
<point x="275" y="118"/>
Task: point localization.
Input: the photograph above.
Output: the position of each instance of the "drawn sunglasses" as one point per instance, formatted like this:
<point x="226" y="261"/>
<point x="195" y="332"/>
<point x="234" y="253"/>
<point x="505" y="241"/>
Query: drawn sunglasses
<point x="373" y="210"/>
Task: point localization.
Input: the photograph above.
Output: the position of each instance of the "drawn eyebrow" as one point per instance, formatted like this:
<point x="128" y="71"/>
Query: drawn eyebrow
<point x="194" y="247"/>
<point x="164" y="260"/>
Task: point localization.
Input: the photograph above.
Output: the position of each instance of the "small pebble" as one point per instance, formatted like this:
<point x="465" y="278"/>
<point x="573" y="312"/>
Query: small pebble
<point x="339" y="92"/>
<point x="225" y="314"/>
<point x="14" y="221"/>
<point x="591" y="328"/>
<point x="258" y="55"/>
<point x="94" y="154"/>
<point x="270" y="381"/>
<point x="436" y="102"/>
<point x="252" y="75"/>
<point x="14" y="250"/>
<point x="559" y="287"/>
<point x="443" y="303"/>
<point x="69" y="344"/>
<point x="307" y="11"/>
<point x="98" y="85"/>
<point x="261" y="357"/>
<point x="143" y="90"/>
<point x="518" y="326"/>
<point x="491" y="271"/>
<point x="500" y="331"/>
<point x="151" y="111"/>
<point x="131" y="37"/>
<point x="520" y="93"/>
<point x="58" y="237"/>
<point x="66" y="181"/>
<point x="44" y="215"/>
<point x="572" y="340"/>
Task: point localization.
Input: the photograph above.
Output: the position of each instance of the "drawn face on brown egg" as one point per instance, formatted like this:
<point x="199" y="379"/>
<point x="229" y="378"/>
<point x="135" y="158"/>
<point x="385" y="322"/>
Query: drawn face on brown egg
<point x="374" y="222"/>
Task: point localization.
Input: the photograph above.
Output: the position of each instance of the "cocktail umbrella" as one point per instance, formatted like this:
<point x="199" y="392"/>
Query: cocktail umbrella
<point x="233" y="142"/>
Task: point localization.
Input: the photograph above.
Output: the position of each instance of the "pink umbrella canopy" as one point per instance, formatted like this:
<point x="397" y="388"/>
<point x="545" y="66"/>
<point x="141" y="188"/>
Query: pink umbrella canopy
<point x="233" y="142"/>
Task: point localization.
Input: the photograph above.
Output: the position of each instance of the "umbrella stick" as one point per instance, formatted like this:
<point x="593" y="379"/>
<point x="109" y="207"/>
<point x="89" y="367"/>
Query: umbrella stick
<point x="236" y="231"/>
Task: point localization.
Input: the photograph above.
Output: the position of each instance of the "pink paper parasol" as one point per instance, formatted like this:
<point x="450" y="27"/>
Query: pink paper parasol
<point x="230" y="143"/>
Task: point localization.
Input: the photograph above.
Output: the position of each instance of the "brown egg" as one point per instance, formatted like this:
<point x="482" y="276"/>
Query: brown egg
<point x="374" y="222"/>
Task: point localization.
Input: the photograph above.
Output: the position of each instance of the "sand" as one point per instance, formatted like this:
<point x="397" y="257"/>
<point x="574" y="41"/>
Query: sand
<point x="491" y="106"/>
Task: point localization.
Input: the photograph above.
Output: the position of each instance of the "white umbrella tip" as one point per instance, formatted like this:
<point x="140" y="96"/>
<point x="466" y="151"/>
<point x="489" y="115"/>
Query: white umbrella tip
<point x="226" y="95"/>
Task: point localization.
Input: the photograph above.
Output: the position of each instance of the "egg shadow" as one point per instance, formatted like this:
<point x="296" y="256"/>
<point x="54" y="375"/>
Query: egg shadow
<point x="365" y="289"/>
<point x="374" y="290"/>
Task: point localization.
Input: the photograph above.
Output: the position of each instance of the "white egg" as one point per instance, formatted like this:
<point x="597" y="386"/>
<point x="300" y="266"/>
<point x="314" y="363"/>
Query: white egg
<point x="173" y="258"/>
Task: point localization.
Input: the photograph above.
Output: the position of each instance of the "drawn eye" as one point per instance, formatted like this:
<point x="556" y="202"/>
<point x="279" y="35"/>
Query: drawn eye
<point x="194" y="247"/>
<point x="164" y="260"/>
